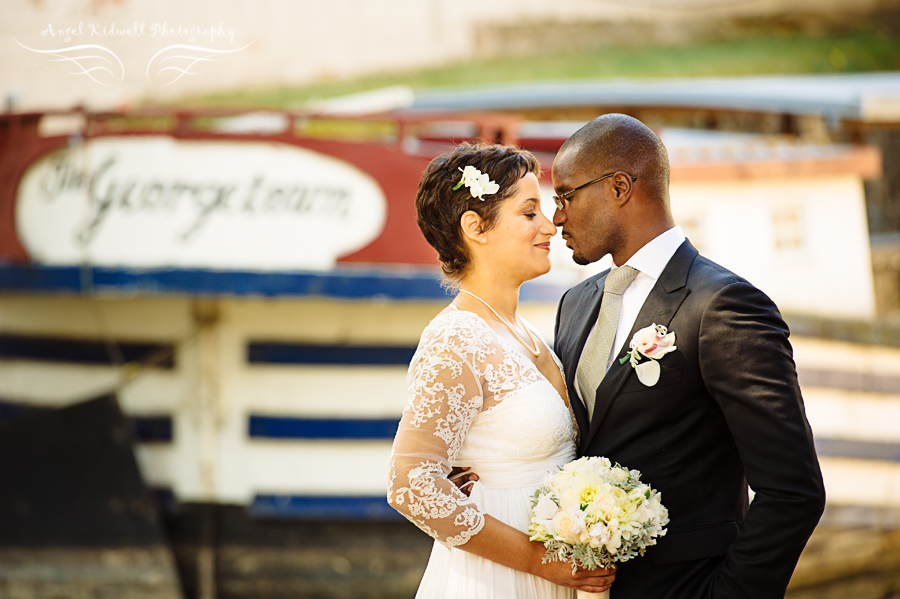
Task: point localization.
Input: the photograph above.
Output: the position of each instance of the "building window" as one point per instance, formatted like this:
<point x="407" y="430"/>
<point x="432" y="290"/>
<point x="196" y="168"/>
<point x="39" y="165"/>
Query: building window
<point x="788" y="226"/>
<point x="691" y="228"/>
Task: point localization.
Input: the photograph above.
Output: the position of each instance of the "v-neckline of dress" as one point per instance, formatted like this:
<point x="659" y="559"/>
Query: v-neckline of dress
<point x="507" y="344"/>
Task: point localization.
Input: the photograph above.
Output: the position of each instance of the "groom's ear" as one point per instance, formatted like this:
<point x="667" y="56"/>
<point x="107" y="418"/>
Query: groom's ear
<point x="622" y="187"/>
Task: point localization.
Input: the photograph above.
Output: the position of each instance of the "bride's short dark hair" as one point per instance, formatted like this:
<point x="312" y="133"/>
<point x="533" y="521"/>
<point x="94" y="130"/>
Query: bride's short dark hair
<point x="439" y="208"/>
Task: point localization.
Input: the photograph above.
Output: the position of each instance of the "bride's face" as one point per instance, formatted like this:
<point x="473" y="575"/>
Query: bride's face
<point x="519" y="242"/>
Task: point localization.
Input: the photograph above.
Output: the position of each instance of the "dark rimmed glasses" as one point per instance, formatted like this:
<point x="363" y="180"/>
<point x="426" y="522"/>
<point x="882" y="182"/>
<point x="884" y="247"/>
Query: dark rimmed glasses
<point x="559" y="199"/>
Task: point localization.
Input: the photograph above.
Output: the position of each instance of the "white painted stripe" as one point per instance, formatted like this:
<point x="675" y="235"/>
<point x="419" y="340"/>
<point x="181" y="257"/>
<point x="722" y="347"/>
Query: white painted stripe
<point x="57" y="385"/>
<point x="853" y="415"/>
<point x="316" y="320"/>
<point x="322" y="391"/>
<point x="306" y="468"/>
<point x="867" y="483"/>
<point x="821" y="354"/>
<point x="53" y="384"/>
<point x="163" y="319"/>
<point x="158" y="464"/>
<point x="277" y="468"/>
<point x="361" y="468"/>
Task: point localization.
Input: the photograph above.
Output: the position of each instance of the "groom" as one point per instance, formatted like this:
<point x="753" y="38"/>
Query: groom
<point x="726" y="409"/>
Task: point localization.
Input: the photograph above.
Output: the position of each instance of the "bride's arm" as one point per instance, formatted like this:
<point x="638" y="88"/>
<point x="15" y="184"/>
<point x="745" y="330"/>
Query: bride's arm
<point x="445" y="397"/>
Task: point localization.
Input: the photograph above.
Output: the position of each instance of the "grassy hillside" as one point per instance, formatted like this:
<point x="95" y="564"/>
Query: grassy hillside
<point x="749" y="56"/>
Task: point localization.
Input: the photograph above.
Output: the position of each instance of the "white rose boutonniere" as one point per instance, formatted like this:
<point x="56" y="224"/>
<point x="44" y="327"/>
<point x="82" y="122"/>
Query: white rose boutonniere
<point x="653" y="343"/>
<point x="479" y="184"/>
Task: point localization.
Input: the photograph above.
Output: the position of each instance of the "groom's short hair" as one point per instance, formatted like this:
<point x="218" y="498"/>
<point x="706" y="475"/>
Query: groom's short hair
<point x="618" y="142"/>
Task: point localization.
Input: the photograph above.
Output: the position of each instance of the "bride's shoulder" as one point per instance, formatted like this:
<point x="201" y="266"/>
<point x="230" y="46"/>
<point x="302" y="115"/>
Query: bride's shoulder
<point x="451" y="320"/>
<point x="455" y="327"/>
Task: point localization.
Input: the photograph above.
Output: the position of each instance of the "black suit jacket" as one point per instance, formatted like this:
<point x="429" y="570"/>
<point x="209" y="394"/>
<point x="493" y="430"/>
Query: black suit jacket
<point x="726" y="412"/>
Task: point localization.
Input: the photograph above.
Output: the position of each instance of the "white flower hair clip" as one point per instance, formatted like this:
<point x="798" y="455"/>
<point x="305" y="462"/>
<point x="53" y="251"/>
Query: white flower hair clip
<point x="653" y="343"/>
<point x="478" y="183"/>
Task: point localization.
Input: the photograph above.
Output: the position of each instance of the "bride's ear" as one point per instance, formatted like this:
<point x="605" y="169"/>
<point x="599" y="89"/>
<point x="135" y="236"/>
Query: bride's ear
<point x="470" y="223"/>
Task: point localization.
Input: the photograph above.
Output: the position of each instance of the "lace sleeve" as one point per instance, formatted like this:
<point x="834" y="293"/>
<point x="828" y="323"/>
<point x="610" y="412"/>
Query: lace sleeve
<point x="445" y="396"/>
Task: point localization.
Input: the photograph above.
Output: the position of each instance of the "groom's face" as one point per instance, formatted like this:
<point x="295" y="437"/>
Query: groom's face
<point x="589" y="221"/>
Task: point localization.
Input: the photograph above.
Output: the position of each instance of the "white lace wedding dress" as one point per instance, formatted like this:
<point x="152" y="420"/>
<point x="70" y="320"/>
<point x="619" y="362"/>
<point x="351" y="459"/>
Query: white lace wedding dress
<point x="474" y="400"/>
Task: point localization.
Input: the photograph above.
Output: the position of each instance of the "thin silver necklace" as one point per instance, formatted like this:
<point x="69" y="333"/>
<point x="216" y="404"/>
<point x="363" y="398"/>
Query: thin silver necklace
<point x="537" y="349"/>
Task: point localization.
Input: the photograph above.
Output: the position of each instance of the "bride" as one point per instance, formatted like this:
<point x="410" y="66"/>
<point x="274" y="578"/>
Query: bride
<point x="485" y="390"/>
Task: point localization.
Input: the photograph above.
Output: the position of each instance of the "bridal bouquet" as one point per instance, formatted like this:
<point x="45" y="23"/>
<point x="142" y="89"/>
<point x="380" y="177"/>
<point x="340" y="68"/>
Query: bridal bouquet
<point x="592" y="514"/>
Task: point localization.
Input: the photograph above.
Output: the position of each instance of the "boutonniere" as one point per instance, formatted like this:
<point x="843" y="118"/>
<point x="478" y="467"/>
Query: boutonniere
<point x="652" y="343"/>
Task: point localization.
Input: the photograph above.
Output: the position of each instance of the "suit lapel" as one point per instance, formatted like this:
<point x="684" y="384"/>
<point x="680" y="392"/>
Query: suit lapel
<point x="660" y="307"/>
<point x="584" y="316"/>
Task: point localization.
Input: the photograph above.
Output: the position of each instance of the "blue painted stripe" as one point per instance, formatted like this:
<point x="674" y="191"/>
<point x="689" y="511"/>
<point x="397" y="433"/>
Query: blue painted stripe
<point x="12" y="410"/>
<point x="876" y="332"/>
<point x="861" y="516"/>
<point x="278" y="427"/>
<point x="312" y="507"/>
<point x="865" y="450"/>
<point x="851" y="381"/>
<point x="297" y="353"/>
<point x="57" y="349"/>
<point x="401" y="283"/>
<point x="151" y="428"/>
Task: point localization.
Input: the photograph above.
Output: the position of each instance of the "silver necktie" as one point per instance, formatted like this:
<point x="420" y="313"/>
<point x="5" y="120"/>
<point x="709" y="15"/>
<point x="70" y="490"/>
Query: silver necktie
<point x="592" y="364"/>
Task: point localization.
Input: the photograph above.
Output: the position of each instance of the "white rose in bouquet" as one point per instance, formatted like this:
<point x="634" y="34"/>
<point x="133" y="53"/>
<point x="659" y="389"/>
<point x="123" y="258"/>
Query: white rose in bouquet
<point x="545" y="509"/>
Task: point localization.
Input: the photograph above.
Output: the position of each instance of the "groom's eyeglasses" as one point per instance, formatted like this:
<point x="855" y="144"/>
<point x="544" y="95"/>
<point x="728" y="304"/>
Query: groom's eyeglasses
<point x="559" y="200"/>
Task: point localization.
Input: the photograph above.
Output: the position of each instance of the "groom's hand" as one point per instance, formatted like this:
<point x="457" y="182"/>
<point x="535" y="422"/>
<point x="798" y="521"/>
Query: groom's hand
<point x="507" y="546"/>
<point x="462" y="478"/>
<point x="589" y="581"/>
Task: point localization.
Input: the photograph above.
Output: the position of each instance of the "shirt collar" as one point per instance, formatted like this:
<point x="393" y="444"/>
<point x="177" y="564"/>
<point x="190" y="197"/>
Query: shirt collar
<point x="653" y="257"/>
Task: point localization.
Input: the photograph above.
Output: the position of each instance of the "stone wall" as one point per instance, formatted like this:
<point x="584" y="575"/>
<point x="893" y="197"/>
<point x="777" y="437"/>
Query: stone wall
<point x="886" y="274"/>
<point x="88" y="573"/>
<point x="838" y="563"/>
<point x="259" y="559"/>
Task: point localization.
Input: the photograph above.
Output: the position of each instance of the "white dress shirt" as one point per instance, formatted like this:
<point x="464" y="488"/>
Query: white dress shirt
<point x="650" y="260"/>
